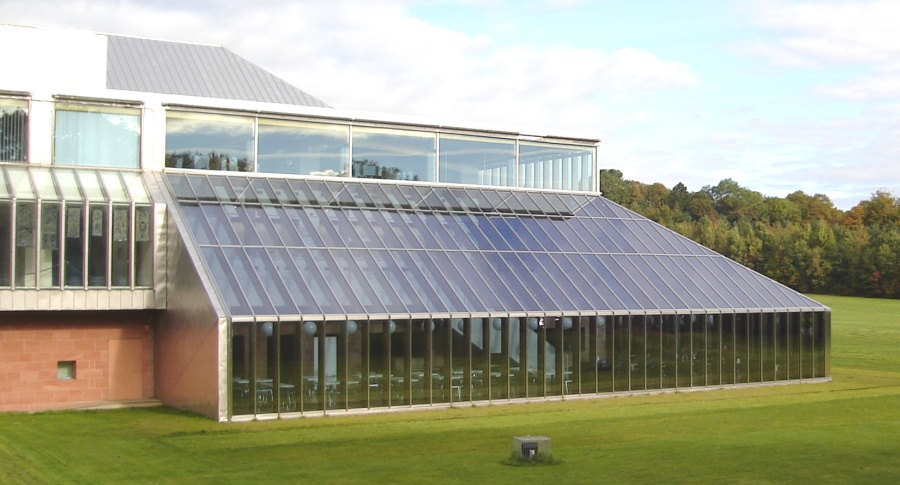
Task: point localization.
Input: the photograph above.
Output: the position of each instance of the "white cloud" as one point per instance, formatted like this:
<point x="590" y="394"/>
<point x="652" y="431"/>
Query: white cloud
<point x="379" y="57"/>
<point x="827" y="32"/>
<point x="826" y="35"/>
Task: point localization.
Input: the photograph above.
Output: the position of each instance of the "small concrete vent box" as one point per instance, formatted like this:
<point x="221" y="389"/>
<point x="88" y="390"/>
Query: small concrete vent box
<point x="531" y="446"/>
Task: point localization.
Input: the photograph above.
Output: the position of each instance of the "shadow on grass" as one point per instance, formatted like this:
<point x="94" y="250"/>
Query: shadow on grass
<point x="538" y="460"/>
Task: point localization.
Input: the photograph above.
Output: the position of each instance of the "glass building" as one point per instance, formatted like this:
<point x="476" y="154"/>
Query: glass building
<point x="233" y="246"/>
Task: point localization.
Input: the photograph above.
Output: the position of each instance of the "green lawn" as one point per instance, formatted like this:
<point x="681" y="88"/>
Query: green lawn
<point x="846" y="431"/>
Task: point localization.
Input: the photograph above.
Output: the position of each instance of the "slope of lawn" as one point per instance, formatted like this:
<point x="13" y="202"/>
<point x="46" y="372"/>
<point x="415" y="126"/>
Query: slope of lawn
<point x="846" y="431"/>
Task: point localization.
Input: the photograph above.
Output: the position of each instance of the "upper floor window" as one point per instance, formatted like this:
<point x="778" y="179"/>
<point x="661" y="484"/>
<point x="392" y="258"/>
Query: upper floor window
<point x="98" y="136"/>
<point x="553" y="166"/>
<point x="381" y="153"/>
<point x="335" y="148"/>
<point x="303" y="148"/>
<point x="477" y="160"/>
<point x="210" y="142"/>
<point x="13" y="130"/>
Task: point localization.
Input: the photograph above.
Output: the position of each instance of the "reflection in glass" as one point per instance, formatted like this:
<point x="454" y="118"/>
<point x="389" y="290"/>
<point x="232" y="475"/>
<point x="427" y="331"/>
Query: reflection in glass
<point x="794" y="345"/>
<point x="654" y="351"/>
<point x="741" y="348"/>
<point x="209" y="142"/>
<point x="684" y="349"/>
<point x="707" y="359"/>
<point x="637" y="351"/>
<point x="755" y="350"/>
<point x="303" y="148"/>
<point x="806" y="345"/>
<point x="622" y="353"/>
<point x="699" y="357"/>
<point x="476" y="160"/>
<point x="781" y="346"/>
<point x="393" y="154"/>
<point x="728" y="350"/>
<point x="768" y="347"/>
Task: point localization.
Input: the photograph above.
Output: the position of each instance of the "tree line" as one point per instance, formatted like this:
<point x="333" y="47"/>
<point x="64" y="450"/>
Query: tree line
<point x="802" y="241"/>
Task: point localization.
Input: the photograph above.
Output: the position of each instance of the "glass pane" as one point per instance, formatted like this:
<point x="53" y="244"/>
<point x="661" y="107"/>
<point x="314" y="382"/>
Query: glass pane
<point x="43" y="181"/>
<point x="25" y="244"/>
<point x="305" y="228"/>
<point x="68" y="184"/>
<point x="283" y="226"/>
<point x="476" y="160"/>
<point x="250" y="285"/>
<point x="242" y="225"/>
<point x="97" y="136"/>
<point x="552" y="166"/>
<point x="382" y="229"/>
<point x="13" y="130"/>
<point x="90" y="185"/>
<point x="5" y="249"/>
<point x="302" y="287"/>
<point x="336" y="282"/>
<point x="20" y="182"/>
<point x="241" y="368"/>
<point x="262" y="226"/>
<point x="98" y="243"/>
<point x="136" y="188"/>
<point x="426" y="282"/>
<point x="74" y="245"/>
<point x="114" y="188"/>
<point x="209" y="142"/>
<point x="393" y="154"/>
<point x="143" y="246"/>
<point x="360" y="283"/>
<point x="121" y="246"/>
<point x="284" y="192"/>
<point x="271" y="281"/>
<point x="303" y="148"/>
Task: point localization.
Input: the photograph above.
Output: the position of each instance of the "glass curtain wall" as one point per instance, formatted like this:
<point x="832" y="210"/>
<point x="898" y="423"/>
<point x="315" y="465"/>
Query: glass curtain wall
<point x="315" y="366"/>
<point x="225" y="142"/>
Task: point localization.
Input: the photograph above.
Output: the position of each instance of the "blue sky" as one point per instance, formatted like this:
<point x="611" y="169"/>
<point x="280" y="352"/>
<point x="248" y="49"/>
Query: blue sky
<point x="778" y="95"/>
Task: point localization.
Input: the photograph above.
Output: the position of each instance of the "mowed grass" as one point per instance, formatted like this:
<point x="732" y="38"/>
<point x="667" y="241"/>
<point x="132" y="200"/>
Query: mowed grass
<point x="846" y="431"/>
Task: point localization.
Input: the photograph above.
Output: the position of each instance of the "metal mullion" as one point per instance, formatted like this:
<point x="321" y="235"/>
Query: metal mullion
<point x="518" y="181"/>
<point x="132" y="213"/>
<point x="349" y="161"/>
<point x="108" y="241"/>
<point x="13" y="213"/>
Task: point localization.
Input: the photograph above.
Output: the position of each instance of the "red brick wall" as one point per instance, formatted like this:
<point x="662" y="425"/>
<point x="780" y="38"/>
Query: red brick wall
<point x="32" y="343"/>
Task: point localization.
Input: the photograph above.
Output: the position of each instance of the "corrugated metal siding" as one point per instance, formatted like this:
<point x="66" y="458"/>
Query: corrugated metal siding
<point x="154" y="66"/>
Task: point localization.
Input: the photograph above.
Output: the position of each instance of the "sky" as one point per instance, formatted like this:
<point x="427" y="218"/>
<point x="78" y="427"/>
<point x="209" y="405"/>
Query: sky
<point x="777" y="95"/>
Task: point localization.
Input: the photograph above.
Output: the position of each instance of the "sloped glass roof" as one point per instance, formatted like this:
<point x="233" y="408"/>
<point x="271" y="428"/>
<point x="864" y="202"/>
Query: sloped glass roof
<point x="33" y="182"/>
<point x="311" y="249"/>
